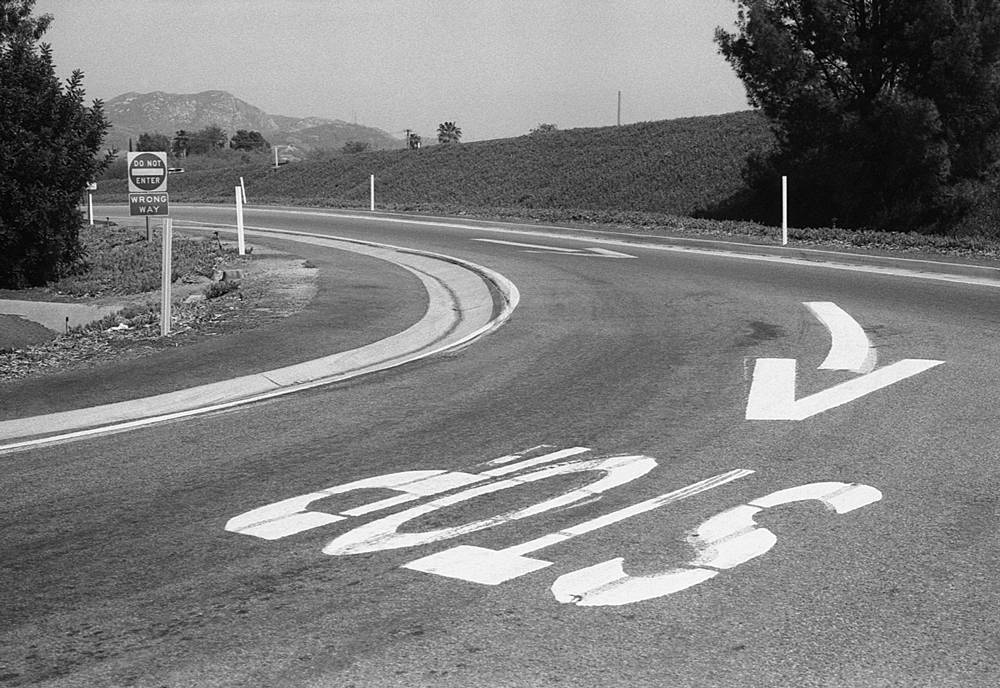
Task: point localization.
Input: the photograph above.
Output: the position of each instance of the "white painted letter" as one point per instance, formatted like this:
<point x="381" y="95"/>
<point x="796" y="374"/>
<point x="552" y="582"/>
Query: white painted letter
<point x="382" y="534"/>
<point x="722" y="542"/>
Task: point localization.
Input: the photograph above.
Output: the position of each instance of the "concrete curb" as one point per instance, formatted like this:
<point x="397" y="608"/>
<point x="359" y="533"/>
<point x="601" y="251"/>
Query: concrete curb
<point x="460" y="310"/>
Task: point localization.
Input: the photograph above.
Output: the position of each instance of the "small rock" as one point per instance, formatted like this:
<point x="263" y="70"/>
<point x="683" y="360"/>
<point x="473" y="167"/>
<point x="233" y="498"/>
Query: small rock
<point x="195" y="298"/>
<point x="227" y="275"/>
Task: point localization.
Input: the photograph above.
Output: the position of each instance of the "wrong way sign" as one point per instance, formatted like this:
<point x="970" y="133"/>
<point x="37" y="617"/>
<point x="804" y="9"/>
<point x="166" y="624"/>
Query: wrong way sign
<point x="147" y="172"/>
<point x="147" y="183"/>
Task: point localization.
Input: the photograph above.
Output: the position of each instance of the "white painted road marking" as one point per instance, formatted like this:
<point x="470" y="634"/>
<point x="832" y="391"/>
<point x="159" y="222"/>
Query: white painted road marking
<point x="541" y="248"/>
<point x="383" y="534"/>
<point x="850" y="348"/>
<point x="492" y="567"/>
<point x="722" y="542"/>
<point x="772" y="391"/>
<point x="289" y="516"/>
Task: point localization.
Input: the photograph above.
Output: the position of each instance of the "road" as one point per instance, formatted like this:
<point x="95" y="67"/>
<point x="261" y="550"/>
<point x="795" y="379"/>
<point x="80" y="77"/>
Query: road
<point x="599" y="502"/>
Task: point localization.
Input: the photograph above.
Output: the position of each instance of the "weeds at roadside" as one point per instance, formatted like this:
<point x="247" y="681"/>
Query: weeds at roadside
<point x="119" y="261"/>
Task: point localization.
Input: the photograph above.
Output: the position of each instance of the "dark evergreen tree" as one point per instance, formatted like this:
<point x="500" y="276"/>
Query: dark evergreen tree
<point x="153" y="142"/>
<point x="49" y="145"/>
<point x="249" y="141"/>
<point x="352" y="147"/>
<point x="179" y="146"/>
<point x="204" y="141"/>
<point x="886" y="112"/>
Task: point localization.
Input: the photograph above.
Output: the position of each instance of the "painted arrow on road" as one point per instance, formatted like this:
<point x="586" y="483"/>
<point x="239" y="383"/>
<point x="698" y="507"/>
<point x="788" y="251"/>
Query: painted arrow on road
<point x="772" y="391"/>
<point x="541" y="248"/>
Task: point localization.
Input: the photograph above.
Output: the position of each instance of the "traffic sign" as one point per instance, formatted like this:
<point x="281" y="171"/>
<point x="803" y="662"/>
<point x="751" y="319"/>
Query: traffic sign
<point x="147" y="172"/>
<point x="148" y="204"/>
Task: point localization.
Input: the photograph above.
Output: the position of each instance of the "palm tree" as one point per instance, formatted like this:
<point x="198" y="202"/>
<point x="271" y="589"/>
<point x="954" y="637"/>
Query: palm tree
<point x="449" y="133"/>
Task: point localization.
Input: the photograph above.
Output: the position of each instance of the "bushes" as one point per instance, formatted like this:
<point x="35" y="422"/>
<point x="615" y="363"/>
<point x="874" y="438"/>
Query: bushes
<point x="119" y="260"/>
<point x="49" y="143"/>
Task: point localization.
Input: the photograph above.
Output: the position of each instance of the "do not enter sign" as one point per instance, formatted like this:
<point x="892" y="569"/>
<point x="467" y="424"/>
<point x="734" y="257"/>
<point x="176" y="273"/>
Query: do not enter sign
<point x="147" y="172"/>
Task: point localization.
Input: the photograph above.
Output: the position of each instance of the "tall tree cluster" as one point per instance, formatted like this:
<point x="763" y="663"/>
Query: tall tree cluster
<point x="886" y="112"/>
<point x="49" y="150"/>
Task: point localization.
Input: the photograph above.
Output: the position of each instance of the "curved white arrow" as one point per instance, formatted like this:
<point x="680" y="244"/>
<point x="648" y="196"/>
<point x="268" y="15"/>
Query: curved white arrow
<point x="772" y="391"/>
<point x="849" y="348"/>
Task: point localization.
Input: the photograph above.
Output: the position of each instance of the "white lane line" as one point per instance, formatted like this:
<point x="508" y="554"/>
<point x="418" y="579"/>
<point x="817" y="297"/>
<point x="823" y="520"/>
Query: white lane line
<point x="850" y="348"/>
<point x="917" y="272"/>
<point x="575" y="251"/>
<point x="541" y="248"/>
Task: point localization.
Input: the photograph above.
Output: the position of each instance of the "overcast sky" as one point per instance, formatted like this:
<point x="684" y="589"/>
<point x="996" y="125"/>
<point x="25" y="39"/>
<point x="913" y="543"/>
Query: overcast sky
<point x="497" y="68"/>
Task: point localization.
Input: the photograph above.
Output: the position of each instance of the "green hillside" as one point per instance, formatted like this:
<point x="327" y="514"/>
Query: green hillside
<point x="672" y="167"/>
<point x="651" y="176"/>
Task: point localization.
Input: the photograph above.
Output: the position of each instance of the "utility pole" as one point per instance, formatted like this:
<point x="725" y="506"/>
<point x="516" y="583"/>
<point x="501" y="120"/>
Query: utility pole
<point x="619" y="108"/>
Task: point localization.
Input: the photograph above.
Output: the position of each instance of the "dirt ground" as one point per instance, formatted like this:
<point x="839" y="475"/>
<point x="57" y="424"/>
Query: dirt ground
<point x="269" y="285"/>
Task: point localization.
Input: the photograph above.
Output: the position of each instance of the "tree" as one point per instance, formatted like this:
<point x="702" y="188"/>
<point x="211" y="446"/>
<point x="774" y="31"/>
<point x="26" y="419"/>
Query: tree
<point x="153" y="142"/>
<point x="249" y="141"/>
<point x="204" y="141"/>
<point x="49" y="145"/>
<point x="886" y="112"/>
<point x="448" y="133"/>
<point x="352" y="147"/>
<point x="179" y="146"/>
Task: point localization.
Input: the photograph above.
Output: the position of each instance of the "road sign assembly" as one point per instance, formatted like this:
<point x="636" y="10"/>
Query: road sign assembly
<point x="147" y="183"/>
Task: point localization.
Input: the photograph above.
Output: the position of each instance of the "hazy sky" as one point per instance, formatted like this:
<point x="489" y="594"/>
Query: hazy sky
<point x="497" y="68"/>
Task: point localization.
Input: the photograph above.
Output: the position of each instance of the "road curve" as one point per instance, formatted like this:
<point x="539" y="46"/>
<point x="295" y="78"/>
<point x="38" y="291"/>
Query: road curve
<point x="578" y="498"/>
<point x="460" y="309"/>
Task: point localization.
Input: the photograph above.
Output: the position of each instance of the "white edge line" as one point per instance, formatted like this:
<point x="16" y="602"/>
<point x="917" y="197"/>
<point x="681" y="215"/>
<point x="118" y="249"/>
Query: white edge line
<point x="637" y="245"/>
<point x="897" y="272"/>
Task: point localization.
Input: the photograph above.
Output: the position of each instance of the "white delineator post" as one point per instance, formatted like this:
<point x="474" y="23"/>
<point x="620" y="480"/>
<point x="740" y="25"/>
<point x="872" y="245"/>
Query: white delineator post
<point x="373" y="193"/>
<point x="239" y="222"/>
<point x="90" y="204"/>
<point x="168" y="232"/>
<point x="784" y="211"/>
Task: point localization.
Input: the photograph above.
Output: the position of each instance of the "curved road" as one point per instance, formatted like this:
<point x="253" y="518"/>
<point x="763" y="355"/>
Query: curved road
<point x="612" y="491"/>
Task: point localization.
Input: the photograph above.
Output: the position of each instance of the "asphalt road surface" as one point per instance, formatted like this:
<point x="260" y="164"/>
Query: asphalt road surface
<point x="669" y="468"/>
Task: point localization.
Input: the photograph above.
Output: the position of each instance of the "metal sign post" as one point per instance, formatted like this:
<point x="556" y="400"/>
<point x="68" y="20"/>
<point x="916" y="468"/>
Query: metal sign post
<point x="784" y="211"/>
<point x="147" y="186"/>
<point x="240" y="241"/>
<point x="91" y="188"/>
<point x="168" y="236"/>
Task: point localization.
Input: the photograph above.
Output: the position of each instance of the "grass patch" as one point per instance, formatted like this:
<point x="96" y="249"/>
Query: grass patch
<point x="119" y="261"/>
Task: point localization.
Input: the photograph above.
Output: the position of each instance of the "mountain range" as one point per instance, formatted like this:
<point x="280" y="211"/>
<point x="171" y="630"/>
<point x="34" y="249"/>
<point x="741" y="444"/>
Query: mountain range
<point x="132" y="114"/>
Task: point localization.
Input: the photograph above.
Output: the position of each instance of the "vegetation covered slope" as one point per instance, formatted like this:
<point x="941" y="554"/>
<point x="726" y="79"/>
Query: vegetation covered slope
<point x="673" y="166"/>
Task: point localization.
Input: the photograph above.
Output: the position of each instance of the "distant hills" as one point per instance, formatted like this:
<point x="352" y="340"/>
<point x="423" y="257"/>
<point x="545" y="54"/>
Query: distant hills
<point x="132" y="114"/>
